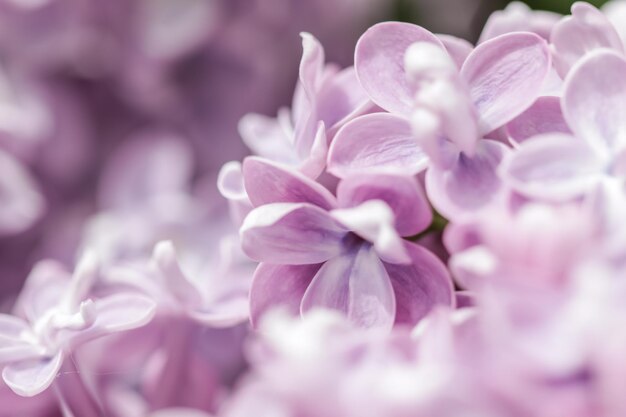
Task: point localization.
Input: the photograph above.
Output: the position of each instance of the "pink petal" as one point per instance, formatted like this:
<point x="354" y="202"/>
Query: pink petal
<point x="594" y="100"/>
<point x="224" y="313"/>
<point x="379" y="63"/>
<point x="19" y="351"/>
<point x="401" y="193"/>
<point x="356" y="284"/>
<point x="376" y="141"/>
<point x="505" y="76"/>
<point x="279" y="286"/>
<point x="231" y="187"/>
<point x="459" y="49"/>
<point x="313" y="148"/>
<point x="175" y="280"/>
<point x="268" y="137"/>
<point x="544" y="116"/>
<point x="311" y="65"/>
<point x="291" y="234"/>
<point x="11" y="328"/>
<point x="13" y="347"/>
<point x="420" y="286"/>
<point x="470" y="184"/>
<point x="341" y="99"/>
<point x="267" y="182"/>
<point x="123" y="311"/>
<point x="587" y="29"/>
<point x="29" y="378"/>
<point x="553" y="167"/>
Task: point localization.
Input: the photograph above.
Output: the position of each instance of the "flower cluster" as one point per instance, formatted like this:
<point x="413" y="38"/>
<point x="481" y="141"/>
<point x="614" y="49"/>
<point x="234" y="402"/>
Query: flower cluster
<point x="435" y="230"/>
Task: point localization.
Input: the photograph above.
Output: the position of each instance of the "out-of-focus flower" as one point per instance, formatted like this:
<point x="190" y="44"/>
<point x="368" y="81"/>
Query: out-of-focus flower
<point x="559" y="166"/>
<point x="60" y="316"/>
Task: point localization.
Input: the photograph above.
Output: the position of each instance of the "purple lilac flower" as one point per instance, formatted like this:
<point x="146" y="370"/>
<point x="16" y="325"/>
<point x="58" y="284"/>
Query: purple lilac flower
<point x="422" y="130"/>
<point x="58" y="317"/>
<point x="557" y="166"/>
<point x="344" y="252"/>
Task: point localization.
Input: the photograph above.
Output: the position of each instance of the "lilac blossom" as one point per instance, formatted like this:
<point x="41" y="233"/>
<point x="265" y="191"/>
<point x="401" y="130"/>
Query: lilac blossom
<point x="557" y="166"/>
<point x="60" y="315"/>
<point x="498" y="81"/>
<point x="344" y="252"/>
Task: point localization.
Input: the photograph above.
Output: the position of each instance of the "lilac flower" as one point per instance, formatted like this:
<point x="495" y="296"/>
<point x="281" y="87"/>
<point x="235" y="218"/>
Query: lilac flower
<point x="216" y="295"/>
<point x="498" y="81"/>
<point x="342" y="253"/>
<point x="559" y="167"/>
<point x="59" y="317"/>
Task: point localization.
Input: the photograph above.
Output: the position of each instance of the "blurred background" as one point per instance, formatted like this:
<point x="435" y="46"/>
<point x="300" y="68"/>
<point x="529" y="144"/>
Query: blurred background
<point x="110" y="110"/>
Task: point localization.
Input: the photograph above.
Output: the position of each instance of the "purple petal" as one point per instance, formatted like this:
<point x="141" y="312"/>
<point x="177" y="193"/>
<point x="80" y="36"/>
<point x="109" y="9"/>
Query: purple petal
<point x="224" y="313"/>
<point x="279" y="286"/>
<point x="11" y="328"/>
<point x="356" y="284"/>
<point x="267" y="182"/>
<point x="401" y="193"/>
<point x="587" y="29"/>
<point x="312" y="146"/>
<point x="505" y="76"/>
<point x="552" y="166"/>
<point x="420" y="286"/>
<point x="379" y="63"/>
<point x="291" y="234"/>
<point x="268" y="137"/>
<point x="123" y="311"/>
<point x="175" y="280"/>
<point x="459" y="49"/>
<point x="470" y="184"/>
<point x="376" y="141"/>
<point x="19" y="351"/>
<point x="594" y="100"/>
<point x="231" y="187"/>
<point x="341" y="99"/>
<point x="544" y="116"/>
<point x="13" y="347"/>
<point x="29" y="378"/>
<point x="311" y="65"/>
